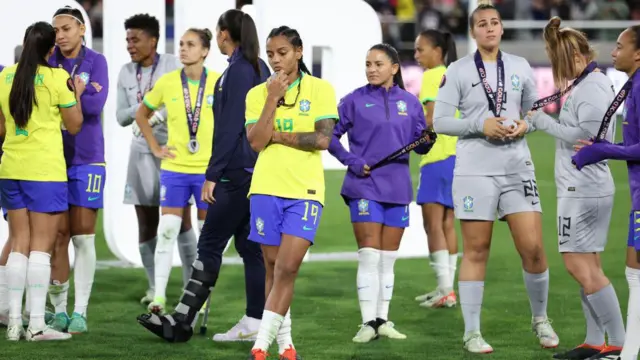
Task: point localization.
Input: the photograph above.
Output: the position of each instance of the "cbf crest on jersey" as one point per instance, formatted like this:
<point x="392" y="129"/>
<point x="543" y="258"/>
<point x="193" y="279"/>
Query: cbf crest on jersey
<point x="363" y="207"/>
<point x="305" y="106"/>
<point x="260" y="226"/>
<point x="515" y="83"/>
<point x="85" y="77"/>
<point x="402" y="107"/>
<point x="467" y="203"/>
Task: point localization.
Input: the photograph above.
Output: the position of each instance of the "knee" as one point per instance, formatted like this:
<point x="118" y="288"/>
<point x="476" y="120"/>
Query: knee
<point x="476" y="251"/>
<point x="590" y="277"/>
<point x="286" y="269"/>
<point x="368" y="260"/>
<point x="533" y="255"/>
<point x="169" y="228"/>
<point x="432" y="225"/>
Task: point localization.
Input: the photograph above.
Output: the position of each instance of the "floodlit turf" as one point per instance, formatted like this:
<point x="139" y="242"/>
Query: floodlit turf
<point x="325" y="309"/>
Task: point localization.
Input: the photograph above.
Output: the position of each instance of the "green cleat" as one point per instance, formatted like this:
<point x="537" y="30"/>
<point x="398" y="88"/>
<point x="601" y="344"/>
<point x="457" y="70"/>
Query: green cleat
<point x="49" y="314"/>
<point x="59" y="322"/>
<point x="78" y="324"/>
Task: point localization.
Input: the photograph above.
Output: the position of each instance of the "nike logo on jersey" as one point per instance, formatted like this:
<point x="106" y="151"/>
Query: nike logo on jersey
<point x="476" y="84"/>
<point x="563" y="242"/>
<point x="369" y="105"/>
<point x="306" y="228"/>
<point x="535" y="202"/>
<point x="405" y="218"/>
<point x="94" y="198"/>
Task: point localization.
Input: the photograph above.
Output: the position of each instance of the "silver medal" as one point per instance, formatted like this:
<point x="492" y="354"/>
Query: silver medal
<point x="194" y="146"/>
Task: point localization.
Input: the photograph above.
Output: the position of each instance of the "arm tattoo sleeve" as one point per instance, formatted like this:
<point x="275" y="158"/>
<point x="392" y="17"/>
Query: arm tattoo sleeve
<point x="309" y="141"/>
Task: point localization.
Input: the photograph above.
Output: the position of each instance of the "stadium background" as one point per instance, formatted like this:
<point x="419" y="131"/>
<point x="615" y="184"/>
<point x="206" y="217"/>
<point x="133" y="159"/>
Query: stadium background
<point x="325" y="309"/>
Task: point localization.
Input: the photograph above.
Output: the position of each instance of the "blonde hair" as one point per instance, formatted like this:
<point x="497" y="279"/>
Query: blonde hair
<point x="485" y="2"/>
<point x="562" y="45"/>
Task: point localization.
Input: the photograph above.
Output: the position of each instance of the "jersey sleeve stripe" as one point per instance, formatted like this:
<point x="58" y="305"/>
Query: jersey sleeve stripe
<point x="428" y="99"/>
<point x="334" y="117"/>
<point x="149" y="105"/>
<point x="64" y="106"/>
<point x="249" y="122"/>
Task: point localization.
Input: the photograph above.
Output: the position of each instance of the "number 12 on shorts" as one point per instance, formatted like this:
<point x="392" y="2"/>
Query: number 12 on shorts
<point x="564" y="226"/>
<point x="94" y="183"/>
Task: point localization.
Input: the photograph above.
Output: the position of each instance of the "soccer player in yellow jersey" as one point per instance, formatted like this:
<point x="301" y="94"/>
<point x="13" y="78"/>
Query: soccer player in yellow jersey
<point x="289" y="120"/>
<point x="434" y="51"/>
<point x="35" y="101"/>
<point x="187" y="94"/>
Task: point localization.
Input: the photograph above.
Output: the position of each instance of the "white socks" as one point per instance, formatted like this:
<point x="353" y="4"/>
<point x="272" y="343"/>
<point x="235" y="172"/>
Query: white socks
<point x="188" y="250"/>
<point x="453" y="266"/>
<point x="444" y="264"/>
<point x="168" y="231"/>
<point x="16" y="269"/>
<point x="368" y="282"/>
<point x="84" y="270"/>
<point x="4" y="291"/>
<point x="269" y="327"/>
<point x="38" y="275"/>
<point x="387" y="279"/>
<point x="58" y="295"/>
<point x="631" y="346"/>
<point x="284" y="334"/>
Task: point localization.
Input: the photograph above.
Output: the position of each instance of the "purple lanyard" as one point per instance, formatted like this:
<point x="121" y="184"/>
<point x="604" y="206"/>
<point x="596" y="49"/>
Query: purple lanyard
<point x="557" y="96"/>
<point x="78" y="61"/>
<point x="193" y="116"/>
<point x="495" y="101"/>
<point x="141" y="92"/>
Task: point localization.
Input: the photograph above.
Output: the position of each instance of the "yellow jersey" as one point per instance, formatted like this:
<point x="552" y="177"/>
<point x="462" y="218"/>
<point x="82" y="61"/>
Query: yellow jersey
<point x="168" y="92"/>
<point x="282" y="170"/>
<point x="445" y="145"/>
<point x="35" y="153"/>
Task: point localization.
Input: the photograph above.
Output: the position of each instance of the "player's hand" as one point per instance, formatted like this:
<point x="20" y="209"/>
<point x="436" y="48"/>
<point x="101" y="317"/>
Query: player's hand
<point x="207" y="192"/>
<point x="79" y="85"/>
<point x="165" y="152"/>
<point x="520" y="129"/>
<point x="96" y="86"/>
<point x="156" y="118"/>
<point x="366" y="170"/>
<point x="494" y="129"/>
<point x="136" y="130"/>
<point x="277" y="85"/>
<point x="581" y="144"/>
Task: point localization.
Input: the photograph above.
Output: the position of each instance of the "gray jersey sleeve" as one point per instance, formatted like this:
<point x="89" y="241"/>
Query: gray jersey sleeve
<point x="529" y="89"/>
<point x="546" y="123"/>
<point x="125" y="113"/>
<point x="447" y="102"/>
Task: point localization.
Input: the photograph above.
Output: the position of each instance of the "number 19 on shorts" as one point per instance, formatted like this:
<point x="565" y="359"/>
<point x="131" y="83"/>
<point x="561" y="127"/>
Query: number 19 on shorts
<point x="311" y="210"/>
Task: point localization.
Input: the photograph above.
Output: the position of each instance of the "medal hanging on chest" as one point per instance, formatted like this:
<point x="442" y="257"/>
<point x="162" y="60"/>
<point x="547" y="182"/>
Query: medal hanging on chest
<point x="193" y="115"/>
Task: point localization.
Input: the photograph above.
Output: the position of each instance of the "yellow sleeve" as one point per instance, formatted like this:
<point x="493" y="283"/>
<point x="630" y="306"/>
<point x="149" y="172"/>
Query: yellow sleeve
<point x="154" y="98"/>
<point x="430" y="85"/>
<point x="254" y="104"/>
<point x="326" y="104"/>
<point x="64" y="86"/>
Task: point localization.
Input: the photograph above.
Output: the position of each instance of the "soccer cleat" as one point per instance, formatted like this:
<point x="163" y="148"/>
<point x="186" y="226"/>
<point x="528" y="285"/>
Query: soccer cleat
<point x="242" y="331"/>
<point x="427" y="296"/>
<point x="258" y="354"/>
<point x="441" y="301"/>
<point x="77" y="324"/>
<point x="157" y="306"/>
<point x="49" y="313"/>
<point x="608" y="353"/>
<point x="147" y="298"/>
<point x="545" y="333"/>
<point x="474" y="343"/>
<point x="580" y="352"/>
<point x="290" y="354"/>
<point x="15" y="332"/>
<point x="60" y="322"/>
<point x="46" y="334"/>
<point x="387" y="329"/>
<point x="366" y="333"/>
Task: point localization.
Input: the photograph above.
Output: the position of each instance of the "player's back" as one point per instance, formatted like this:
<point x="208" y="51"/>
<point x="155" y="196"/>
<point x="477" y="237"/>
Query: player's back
<point x="35" y="153"/>
<point x="631" y="137"/>
<point x="445" y="146"/>
<point x="584" y="108"/>
<point x="461" y="87"/>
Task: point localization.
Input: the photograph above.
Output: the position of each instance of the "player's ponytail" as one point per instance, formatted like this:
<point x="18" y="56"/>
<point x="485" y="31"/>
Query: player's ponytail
<point x="294" y="39"/>
<point x="444" y="41"/>
<point x="561" y="46"/>
<point x="39" y="40"/>
<point x="243" y="32"/>
<point x="392" y="54"/>
<point x="451" y="52"/>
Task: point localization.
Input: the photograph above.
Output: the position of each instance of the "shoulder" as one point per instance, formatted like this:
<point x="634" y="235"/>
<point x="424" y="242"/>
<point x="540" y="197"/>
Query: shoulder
<point x="212" y="75"/>
<point x="464" y="63"/>
<point x="515" y="59"/>
<point x="94" y="56"/>
<point x="257" y="92"/>
<point x="317" y="83"/>
<point x="595" y="85"/>
<point x="127" y="69"/>
<point x="352" y="96"/>
<point x="410" y="99"/>
<point x="167" y="58"/>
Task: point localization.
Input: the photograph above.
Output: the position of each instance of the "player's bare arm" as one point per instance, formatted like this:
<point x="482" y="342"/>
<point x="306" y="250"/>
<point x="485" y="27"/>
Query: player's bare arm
<point x="260" y="133"/>
<point x="308" y="141"/>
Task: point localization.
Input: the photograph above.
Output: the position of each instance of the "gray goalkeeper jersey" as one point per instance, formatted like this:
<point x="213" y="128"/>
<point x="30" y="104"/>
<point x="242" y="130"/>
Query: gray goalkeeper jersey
<point x="461" y="88"/>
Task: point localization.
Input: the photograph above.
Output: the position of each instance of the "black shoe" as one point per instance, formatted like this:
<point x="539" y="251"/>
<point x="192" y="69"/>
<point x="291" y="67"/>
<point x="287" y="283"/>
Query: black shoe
<point x="608" y="354"/>
<point x="180" y="332"/>
<point x="580" y="352"/>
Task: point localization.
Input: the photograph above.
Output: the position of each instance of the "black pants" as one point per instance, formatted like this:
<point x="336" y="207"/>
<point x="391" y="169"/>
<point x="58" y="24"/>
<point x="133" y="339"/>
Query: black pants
<point x="229" y="216"/>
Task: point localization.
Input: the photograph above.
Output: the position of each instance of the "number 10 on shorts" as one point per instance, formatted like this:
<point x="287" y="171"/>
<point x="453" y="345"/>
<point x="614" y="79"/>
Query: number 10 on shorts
<point x="94" y="183"/>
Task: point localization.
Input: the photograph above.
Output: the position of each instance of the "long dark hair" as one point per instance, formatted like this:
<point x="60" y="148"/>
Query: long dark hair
<point x="39" y="40"/>
<point x="392" y="53"/>
<point x="242" y="30"/>
<point x="294" y="39"/>
<point x="444" y="41"/>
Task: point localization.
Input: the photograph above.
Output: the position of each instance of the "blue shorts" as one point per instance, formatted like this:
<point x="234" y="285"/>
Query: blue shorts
<point x="36" y="196"/>
<point x="272" y="216"/>
<point x="634" y="230"/>
<point x="86" y="185"/>
<point x="394" y="215"/>
<point x="177" y="188"/>
<point x="435" y="183"/>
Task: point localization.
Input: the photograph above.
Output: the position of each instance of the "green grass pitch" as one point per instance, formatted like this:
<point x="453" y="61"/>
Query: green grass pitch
<point x="325" y="309"/>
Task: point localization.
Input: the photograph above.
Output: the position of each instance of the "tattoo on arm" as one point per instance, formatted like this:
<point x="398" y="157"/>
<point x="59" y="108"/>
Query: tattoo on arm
<point x="309" y="141"/>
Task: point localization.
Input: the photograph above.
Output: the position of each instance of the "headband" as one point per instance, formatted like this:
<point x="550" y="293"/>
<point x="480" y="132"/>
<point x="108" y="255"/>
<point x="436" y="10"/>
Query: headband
<point x="69" y="15"/>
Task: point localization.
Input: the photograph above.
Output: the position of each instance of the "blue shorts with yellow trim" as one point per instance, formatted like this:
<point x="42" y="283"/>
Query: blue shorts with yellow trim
<point x="633" y="239"/>
<point x="394" y="215"/>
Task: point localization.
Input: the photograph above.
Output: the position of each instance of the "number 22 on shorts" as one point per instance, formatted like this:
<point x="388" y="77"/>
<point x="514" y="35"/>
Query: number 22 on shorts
<point x="312" y="210"/>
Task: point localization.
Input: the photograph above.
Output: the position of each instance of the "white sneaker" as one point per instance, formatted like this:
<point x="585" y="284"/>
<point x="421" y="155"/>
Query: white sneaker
<point x="427" y="296"/>
<point x="148" y="297"/>
<point x="245" y="330"/>
<point x="157" y="306"/>
<point x="46" y="334"/>
<point x="388" y="329"/>
<point x="15" y="333"/>
<point x="545" y="333"/>
<point x="365" y="334"/>
<point x="474" y="343"/>
<point x="441" y="301"/>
